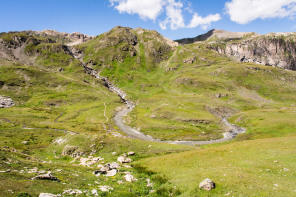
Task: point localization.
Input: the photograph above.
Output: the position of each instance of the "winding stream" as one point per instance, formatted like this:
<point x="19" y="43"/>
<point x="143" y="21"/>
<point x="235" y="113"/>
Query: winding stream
<point x="133" y="133"/>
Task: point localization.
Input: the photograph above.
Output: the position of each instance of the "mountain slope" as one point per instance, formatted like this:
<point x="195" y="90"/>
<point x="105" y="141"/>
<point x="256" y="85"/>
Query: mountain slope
<point x="63" y="116"/>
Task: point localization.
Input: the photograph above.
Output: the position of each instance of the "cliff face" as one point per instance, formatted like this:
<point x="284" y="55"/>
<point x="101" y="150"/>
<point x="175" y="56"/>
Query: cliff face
<point x="278" y="50"/>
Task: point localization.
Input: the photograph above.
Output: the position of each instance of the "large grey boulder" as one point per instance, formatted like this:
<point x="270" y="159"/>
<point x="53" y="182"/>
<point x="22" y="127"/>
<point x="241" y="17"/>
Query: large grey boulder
<point x="207" y="184"/>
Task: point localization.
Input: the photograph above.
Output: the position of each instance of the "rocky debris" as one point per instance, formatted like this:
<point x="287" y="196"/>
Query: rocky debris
<point x="114" y="153"/>
<point x="90" y="160"/>
<point x="25" y="142"/>
<point x="110" y="169"/>
<point x="94" y="192"/>
<point x="207" y="184"/>
<point x="130" y="178"/>
<point x="71" y="151"/>
<point x="8" y="170"/>
<point x="149" y="184"/>
<point x="189" y="60"/>
<point x="105" y="188"/>
<point x="72" y="192"/>
<point x="131" y="153"/>
<point x="112" y="172"/>
<point x="47" y="176"/>
<point x="220" y="95"/>
<point x="126" y="166"/>
<point x="124" y="159"/>
<point x="6" y="102"/>
<point x="48" y="195"/>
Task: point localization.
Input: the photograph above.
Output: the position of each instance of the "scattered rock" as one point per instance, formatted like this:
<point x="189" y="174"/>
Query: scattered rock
<point x="105" y="188"/>
<point x="72" y="192"/>
<point x="149" y="184"/>
<point x="90" y="160"/>
<point x="5" y="102"/>
<point x="130" y="178"/>
<point x="25" y="142"/>
<point x="189" y="60"/>
<point x="131" y="153"/>
<point x="108" y="168"/>
<point x="126" y="166"/>
<point x="124" y="159"/>
<point x="94" y="192"/>
<point x="207" y="184"/>
<point x="286" y="169"/>
<point x="8" y="170"/>
<point x="114" y="153"/>
<point x="112" y="172"/>
<point x="47" y="176"/>
<point x="47" y="195"/>
<point x="71" y="151"/>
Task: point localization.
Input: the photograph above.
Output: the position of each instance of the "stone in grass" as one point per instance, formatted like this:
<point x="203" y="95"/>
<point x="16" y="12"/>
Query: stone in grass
<point x="105" y="188"/>
<point x="124" y="159"/>
<point x="112" y="172"/>
<point x="47" y="195"/>
<point x="207" y="184"/>
<point x="72" y="192"/>
<point x="47" y="176"/>
<point x="130" y="178"/>
<point x="131" y="153"/>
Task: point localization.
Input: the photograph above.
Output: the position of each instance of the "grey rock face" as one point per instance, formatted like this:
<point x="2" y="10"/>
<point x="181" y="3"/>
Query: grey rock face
<point x="273" y="51"/>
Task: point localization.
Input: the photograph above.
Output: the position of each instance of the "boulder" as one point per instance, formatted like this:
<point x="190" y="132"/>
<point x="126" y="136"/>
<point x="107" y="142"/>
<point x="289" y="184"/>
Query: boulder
<point x="25" y="142"/>
<point x="207" y="184"/>
<point x="131" y="153"/>
<point x="47" y="176"/>
<point x="130" y="178"/>
<point x="124" y="159"/>
<point x="5" y="102"/>
<point x="112" y="172"/>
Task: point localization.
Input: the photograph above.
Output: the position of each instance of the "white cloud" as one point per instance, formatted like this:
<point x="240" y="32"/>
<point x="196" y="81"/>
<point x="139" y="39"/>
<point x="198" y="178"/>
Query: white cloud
<point x="146" y="9"/>
<point x="174" y="16"/>
<point x="173" y="9"/>
<point x="245" y="11"/>
<point x="203" y="22"/>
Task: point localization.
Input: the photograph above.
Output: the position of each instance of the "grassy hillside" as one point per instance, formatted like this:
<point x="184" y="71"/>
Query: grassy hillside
<point x="185" y="101"/>
<point x="250" y="168"/>
<point x="180" y="92"/>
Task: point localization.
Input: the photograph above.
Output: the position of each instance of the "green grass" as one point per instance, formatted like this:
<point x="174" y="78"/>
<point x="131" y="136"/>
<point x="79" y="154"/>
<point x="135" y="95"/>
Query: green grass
<point x="249" y="168"/>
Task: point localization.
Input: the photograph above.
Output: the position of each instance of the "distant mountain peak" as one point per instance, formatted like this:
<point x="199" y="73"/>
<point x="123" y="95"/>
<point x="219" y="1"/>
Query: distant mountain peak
<point x="215" y="35"/>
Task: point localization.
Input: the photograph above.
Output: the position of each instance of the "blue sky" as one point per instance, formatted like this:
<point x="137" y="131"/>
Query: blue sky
<point x="172" y="18"/>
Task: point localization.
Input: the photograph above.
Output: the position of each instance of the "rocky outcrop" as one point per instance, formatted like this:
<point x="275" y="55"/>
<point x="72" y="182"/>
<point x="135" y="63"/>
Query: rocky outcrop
<point x="277" y="50"/>
<point x="6" y="102"/>
<point x="217" y="35"/>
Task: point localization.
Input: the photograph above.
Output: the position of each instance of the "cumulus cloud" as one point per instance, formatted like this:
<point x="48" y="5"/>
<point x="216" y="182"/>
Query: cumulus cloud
<point x="146" y="9"/>
<point x="203" y="22"/>
<point x="172" y="9"/>
<point x="245" y="11"/>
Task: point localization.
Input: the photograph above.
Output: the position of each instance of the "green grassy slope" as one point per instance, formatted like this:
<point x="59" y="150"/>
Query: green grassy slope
<point x="250" y="168"/>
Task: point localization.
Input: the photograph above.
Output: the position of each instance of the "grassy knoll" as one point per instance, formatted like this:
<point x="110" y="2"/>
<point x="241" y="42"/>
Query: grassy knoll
<point x="250" y="168"/>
